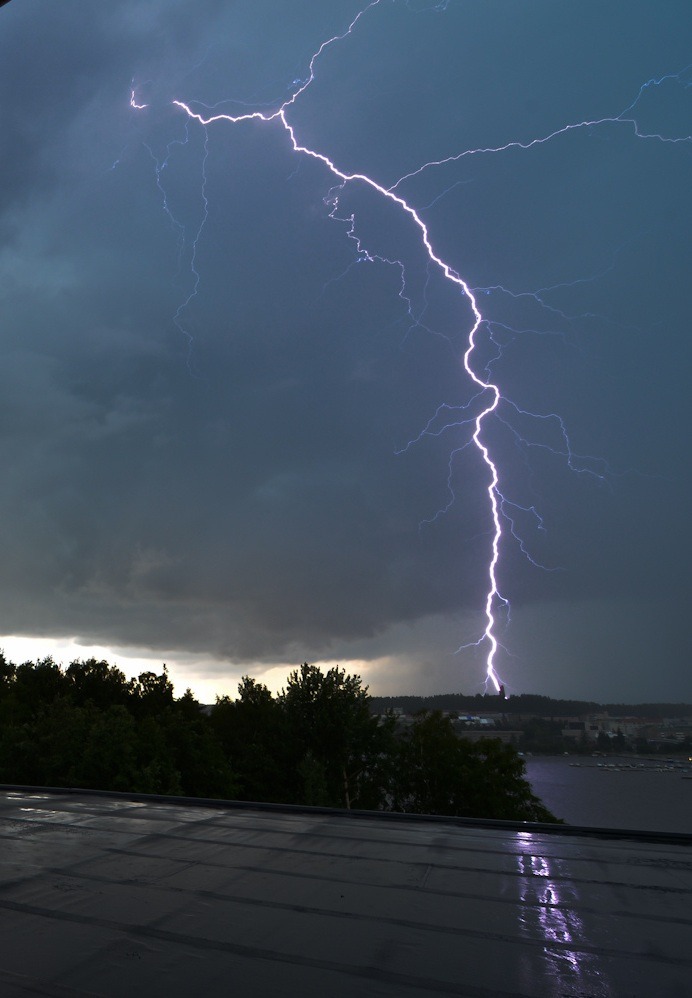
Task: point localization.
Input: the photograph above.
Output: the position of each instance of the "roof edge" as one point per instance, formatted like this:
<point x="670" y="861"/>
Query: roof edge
<point x="637" y="835"/>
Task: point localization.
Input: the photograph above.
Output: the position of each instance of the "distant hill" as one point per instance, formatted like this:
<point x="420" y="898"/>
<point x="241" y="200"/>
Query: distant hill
<point x="525" y="703"/>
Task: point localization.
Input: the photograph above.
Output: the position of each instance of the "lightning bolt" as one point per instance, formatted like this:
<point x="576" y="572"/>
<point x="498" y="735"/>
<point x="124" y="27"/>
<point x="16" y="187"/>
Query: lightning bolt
<point x="487" y="396"/>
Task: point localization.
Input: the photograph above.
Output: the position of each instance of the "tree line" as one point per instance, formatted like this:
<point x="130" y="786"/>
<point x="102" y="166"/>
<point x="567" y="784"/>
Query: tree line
<point x="533" y="704"/>
<point x="317" y="742"/>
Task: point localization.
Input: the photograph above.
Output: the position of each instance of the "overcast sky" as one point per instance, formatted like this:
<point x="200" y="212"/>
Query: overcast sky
<point x="221" y="479"/>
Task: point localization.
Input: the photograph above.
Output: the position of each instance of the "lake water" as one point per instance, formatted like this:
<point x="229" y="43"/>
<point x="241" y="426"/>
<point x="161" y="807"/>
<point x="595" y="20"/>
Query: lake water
<point x="589" y="794"/>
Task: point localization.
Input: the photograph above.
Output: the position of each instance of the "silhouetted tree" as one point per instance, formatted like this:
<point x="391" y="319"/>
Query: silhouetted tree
<point x="203" y="768"/>
<point x="330" y="727"/>
<point x="252" y="733"/>
<point x="440" y="773"/>
<point x="97" y="681"/>
<point x="36" y="684"/>
<point x="151" y="695"/>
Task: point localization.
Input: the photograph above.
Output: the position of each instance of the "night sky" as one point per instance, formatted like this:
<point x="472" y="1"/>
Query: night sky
<point x="221" y="480"/>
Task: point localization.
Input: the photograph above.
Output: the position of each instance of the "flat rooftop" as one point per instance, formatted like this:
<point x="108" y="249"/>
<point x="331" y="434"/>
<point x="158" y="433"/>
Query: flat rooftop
<point x="107" y="895"/>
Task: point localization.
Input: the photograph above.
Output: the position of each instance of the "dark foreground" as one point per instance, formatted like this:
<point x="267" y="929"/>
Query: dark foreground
<point x="112" y="896"/>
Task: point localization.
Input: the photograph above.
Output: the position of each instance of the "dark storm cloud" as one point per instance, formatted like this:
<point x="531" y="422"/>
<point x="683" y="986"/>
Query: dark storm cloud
<point x="241" y="494"/>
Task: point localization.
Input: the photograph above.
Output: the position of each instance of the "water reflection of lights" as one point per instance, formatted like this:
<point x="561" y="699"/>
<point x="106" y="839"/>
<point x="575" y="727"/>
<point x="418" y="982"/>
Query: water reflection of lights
<point x="549" y="909"/>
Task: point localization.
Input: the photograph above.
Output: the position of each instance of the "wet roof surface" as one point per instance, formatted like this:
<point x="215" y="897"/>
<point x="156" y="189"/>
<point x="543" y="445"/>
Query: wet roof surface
<point x="116" y="897"/>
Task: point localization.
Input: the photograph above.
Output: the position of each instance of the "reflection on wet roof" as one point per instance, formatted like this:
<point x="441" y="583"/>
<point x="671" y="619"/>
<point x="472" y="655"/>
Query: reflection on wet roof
<point x="109" y="896"/>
